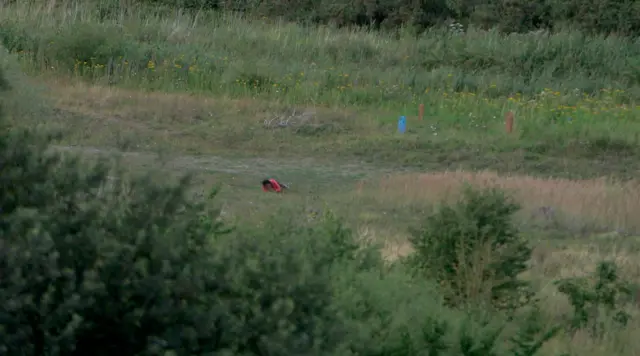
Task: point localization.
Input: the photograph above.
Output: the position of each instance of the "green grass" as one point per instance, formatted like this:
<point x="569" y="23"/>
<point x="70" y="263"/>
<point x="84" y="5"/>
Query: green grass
<point x="224" y="54"/>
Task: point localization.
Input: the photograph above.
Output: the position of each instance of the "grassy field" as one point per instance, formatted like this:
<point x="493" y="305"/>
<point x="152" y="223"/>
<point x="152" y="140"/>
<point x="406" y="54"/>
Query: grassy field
<point x="286" y="90"/>
<point x="234" y="101"/>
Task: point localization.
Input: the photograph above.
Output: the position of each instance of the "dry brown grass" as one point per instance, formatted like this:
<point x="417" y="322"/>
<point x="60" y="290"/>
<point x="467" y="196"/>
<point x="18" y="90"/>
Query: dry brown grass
<point x="601" y="202"/>
<point x="607" y="203"/>
<point x="181" y="122"/>
<point x="604" y="201"/>
<point x="95" y="100"/>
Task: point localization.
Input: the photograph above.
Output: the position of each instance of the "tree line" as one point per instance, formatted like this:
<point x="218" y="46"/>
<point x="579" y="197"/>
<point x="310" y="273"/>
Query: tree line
<point x="592" y="16"/>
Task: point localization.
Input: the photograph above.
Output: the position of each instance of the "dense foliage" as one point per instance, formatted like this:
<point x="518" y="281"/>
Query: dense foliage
<point x="474" y="251"/>
<point x="622" y="16"/>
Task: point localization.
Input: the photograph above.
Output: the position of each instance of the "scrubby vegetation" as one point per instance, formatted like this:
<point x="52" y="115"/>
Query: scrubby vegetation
<point x="98" y="258"/>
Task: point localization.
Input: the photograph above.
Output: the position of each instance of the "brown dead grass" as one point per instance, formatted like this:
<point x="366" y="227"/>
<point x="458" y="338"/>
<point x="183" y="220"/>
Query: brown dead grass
<point x="581" y="258"/>
<point x="605" y="201"/>
<point x="173" y="108"/>
<point x="601" y="202"/>
<point x="182" y="122"/>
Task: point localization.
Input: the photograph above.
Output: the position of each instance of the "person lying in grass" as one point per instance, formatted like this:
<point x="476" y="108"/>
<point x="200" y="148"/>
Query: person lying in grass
<point x="272" y="185"/>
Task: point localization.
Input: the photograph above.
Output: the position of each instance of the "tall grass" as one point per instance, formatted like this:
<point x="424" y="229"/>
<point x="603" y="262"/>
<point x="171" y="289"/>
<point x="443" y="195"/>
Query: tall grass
<point x="223" y="53"/>
<point x="587" y="204"/>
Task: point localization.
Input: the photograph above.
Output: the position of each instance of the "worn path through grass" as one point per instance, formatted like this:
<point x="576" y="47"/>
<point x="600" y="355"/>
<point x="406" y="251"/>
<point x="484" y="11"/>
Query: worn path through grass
<point x="242" y="129"/>
<point x="303" y="173"/>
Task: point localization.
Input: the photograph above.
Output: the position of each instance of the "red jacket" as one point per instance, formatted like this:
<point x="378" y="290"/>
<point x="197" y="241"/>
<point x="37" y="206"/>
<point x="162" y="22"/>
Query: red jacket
<point x="271" y="184"/>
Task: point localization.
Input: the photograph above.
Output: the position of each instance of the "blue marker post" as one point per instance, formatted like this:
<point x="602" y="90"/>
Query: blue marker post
<point x="402" y="124"/>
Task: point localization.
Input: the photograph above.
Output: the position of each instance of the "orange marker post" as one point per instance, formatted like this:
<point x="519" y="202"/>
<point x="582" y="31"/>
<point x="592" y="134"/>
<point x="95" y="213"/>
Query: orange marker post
<point x="508" y="122"/>
<point x="421" y="112"/>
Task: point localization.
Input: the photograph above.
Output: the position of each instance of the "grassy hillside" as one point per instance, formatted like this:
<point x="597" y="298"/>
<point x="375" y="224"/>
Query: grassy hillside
<point x="221" y="53"/>
<point x="374" y="250"/>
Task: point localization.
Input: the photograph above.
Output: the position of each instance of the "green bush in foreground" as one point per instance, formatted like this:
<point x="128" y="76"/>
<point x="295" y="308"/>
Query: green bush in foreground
<point x="85" y="264"/>
<point x="474" y="251"/>
<point x="598" y="306"/>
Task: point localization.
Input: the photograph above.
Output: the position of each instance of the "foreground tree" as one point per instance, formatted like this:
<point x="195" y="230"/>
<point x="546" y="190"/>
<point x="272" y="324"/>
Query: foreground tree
<point x="474" y="251"/>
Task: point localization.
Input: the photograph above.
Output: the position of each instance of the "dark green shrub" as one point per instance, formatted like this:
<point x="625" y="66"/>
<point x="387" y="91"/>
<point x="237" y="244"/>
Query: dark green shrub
<point x="600" y="303"/>
<point x="393" y="314"/>
<point x="96" y="266"/>
<point x="479" y="343"/>
<point x="596" y="16"/>
<point x="533" y="333"/>
<point x="92" y="265"/>
<point x="514" y="15"/>
<point x="474" y="251"/>
<point x="274" y="286"/>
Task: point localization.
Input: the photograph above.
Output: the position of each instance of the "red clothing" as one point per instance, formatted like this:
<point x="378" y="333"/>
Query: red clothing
<point x="272" y="185"/>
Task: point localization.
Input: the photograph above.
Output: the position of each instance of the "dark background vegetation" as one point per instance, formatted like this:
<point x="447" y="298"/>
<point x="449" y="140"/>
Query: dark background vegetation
<point x="591" y="16"/>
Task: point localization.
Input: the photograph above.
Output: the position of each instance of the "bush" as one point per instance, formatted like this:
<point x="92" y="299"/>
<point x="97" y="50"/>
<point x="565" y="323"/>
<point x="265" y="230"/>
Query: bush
<point x="474" y="251"/>
<point x="274" y="289"/>
<point x="92" y="266"/>
<point x="598" y="302"/>
<point x="533" y="333"/>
